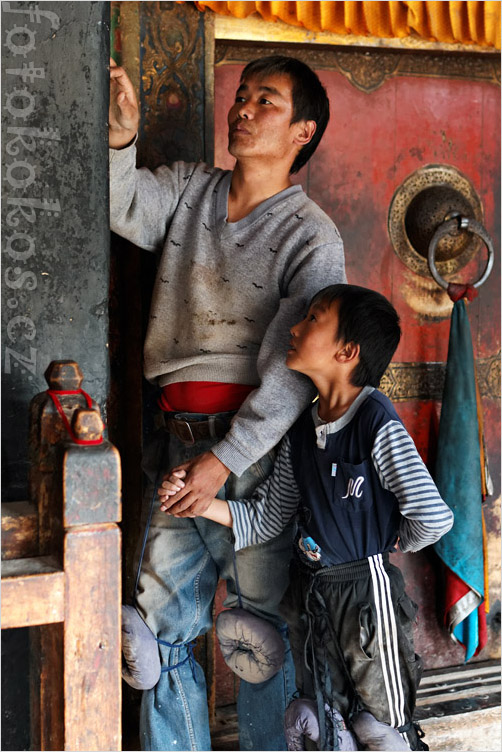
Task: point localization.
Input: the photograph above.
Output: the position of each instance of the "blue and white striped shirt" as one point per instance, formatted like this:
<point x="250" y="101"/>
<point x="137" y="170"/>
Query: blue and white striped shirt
<point x="357" y="484"/>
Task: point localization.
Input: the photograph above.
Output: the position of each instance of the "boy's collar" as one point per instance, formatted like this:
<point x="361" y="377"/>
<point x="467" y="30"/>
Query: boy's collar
<point x="323" y="429"/>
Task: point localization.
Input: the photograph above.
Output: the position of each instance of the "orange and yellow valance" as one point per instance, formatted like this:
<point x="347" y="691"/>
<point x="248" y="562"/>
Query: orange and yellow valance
<point x="462" y="22"/>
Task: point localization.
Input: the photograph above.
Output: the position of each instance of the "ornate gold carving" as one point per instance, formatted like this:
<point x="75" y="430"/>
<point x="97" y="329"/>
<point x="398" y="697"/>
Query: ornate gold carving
<point x="420" y="205"/>
<point x="172" y="78"/>
<point x="369" y="69"/>
<point x="488" y="373"/>
<point x="472" y="67"/>
<point x="413" y="381"/>
<point x="424" y="381"/>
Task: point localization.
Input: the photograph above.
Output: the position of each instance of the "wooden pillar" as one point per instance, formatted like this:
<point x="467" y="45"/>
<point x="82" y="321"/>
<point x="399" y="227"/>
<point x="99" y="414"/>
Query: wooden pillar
<point x="92" y="550"/>
<point x="92" y="679"/>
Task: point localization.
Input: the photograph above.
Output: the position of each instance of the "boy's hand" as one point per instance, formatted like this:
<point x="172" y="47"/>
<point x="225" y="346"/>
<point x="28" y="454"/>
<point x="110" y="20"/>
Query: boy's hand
<point x="217" y="510"/>
<point x="123" y="118"/>
<point x="204" y="477"/>
<point x="171" y="484"/>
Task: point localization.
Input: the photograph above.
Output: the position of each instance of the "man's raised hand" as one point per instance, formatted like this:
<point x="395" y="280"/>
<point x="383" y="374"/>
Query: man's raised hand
<point x="123" y="120"/>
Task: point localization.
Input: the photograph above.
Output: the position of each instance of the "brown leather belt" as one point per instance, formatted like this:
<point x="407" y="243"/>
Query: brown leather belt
<point x="190" y="431"/>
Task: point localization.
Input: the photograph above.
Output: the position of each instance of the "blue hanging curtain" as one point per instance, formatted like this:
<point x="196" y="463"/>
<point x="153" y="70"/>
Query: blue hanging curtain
<point x="458" y="478"/>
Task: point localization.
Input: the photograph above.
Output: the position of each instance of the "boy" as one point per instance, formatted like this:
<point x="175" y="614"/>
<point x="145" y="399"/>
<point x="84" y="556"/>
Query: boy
<point x="351" y="473"/>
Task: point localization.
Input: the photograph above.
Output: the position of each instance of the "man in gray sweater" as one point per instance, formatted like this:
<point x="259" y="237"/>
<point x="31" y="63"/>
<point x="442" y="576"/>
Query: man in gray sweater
<point x="240" y="254"/>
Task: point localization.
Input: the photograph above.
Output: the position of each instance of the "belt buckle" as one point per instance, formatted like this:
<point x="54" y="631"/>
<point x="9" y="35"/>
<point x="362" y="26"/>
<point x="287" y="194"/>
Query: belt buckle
<point x="192" y="437"/>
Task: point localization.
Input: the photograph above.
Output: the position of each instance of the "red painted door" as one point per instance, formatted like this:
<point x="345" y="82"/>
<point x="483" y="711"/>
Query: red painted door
<point x="422" y="110"/>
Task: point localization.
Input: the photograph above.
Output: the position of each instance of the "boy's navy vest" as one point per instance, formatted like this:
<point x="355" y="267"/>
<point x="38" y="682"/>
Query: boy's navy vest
<point x="344" y="507"/>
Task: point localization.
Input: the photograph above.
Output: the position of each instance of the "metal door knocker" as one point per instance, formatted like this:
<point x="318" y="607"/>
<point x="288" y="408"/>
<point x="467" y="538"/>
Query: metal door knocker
<point x="421" y="204"/>
<point x="451" y="227"/>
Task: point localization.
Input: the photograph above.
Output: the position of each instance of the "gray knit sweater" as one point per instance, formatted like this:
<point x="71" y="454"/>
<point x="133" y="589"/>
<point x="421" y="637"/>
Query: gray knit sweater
<point x="226" y="293"/>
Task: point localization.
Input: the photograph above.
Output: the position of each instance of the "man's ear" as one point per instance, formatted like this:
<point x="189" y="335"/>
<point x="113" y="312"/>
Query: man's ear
<point x="305" y="131"/>
<point x="348" y="353"/>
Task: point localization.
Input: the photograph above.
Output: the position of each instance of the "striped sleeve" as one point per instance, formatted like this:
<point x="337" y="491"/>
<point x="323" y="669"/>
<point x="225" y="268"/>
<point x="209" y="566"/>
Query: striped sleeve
<point x="272" y="505"/>
<point x="425" y="516"/>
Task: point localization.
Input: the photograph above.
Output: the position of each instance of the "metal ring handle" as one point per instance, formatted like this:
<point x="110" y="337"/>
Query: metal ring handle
<point x="447" y="227"/>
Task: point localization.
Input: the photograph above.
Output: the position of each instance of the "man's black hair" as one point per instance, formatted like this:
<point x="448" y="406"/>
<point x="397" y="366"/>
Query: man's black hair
<point x="310" y="101"/>
<point x="367" y="319"/>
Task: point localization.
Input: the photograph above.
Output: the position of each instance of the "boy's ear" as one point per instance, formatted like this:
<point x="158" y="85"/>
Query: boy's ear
<point x="348" y="352"/>
<point x="305" y="131"/>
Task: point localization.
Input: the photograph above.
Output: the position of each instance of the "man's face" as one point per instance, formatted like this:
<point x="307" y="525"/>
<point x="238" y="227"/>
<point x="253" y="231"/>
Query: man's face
<point x="259" y="121"/>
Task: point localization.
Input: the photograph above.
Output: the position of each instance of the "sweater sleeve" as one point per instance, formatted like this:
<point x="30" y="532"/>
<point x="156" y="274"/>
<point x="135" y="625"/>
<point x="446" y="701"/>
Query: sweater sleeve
<point x="425" y="516"/>
<point x="142" y="202"/>
<point x="271" y="410"/>
<point x="272" y="505"/>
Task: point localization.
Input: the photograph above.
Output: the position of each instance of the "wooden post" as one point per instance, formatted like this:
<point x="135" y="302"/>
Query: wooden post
<point x="91" y="507"/>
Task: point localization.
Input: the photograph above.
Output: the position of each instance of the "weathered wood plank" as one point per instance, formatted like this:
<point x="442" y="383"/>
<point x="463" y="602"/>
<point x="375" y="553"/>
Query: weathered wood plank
<point x="92" y="682"/>
<point x="32" y="592"/>
<point x="19" y="530"/>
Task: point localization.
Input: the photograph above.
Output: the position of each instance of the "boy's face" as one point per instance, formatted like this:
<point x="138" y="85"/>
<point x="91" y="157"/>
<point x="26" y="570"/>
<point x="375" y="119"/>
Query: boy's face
<point x="314" y="343"/>
<point x="259" y="121"/>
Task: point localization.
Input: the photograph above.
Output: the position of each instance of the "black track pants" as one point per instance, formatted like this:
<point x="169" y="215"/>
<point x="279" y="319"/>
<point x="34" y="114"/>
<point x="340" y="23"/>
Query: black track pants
<point x="351" y="635"/>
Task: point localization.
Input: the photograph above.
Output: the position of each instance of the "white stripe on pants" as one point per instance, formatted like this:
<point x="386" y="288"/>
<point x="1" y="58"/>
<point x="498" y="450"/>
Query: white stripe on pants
<point x="387" y="640"/>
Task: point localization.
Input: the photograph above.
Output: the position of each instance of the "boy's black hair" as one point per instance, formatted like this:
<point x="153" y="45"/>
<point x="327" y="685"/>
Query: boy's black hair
<point x="368" y="319"/>
<point x="310" y="101"/>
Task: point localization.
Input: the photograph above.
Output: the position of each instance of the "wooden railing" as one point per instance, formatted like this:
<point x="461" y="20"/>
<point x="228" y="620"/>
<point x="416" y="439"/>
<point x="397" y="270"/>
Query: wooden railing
<point x="61" y="570"/>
